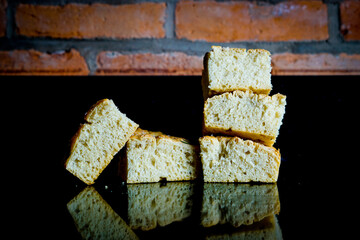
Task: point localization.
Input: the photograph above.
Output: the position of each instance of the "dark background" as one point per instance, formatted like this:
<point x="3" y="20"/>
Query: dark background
<point x="318" y="143"/>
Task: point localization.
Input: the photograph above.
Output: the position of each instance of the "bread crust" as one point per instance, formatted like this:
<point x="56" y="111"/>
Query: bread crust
<point x="260" y="138"/>
<point x="93" y="108"/>
<point x="141" y="133"/>
<point x="241" y="50"/>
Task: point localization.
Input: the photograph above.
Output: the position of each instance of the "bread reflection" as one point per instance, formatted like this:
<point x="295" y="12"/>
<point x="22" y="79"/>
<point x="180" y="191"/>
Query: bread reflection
<point x="154" y="204"/>
<point x="224" y="211"/>
<point x="238" y="204"/>
<point x="95" y="219"/>
<point x="267" y="228"/>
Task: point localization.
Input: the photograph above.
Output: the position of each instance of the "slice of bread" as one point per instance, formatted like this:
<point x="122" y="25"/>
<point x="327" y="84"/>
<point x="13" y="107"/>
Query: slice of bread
<point x="95" y="219"/>
<point x="238" y="204"/>
<point x="152" y="157"/>
<point x="153" y="204"/>
<point x="253" y="116"/>
<point x="231" y="159"/>
<point x="97" y="141"/>
<point x="230" y="69"/>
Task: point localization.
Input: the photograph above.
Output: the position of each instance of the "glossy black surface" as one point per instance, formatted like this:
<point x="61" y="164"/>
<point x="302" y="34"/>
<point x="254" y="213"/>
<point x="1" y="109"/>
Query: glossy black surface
<point x="317" y="183"/>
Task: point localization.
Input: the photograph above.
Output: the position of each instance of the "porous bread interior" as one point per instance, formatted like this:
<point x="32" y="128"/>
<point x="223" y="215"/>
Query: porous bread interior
<point x="151" y="204"/>
<point x="95" y="219"/>
<point x="230" y="69"/>
<point x="98" y="140"/>
<point x="231" y="159"/>
<point x="152" y="158"/>
<point x="252" y="116"/>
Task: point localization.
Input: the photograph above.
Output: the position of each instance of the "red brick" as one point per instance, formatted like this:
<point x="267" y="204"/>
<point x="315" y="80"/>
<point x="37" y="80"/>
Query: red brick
<point x="247" y="21"/>
<point x="3" y="6"/>
<point x="142" y="20"/>
<point x="350" y="20"/>
<point x="31" y="62"/>
<point x="175" y="63"/>
<point x="315" y="64"/>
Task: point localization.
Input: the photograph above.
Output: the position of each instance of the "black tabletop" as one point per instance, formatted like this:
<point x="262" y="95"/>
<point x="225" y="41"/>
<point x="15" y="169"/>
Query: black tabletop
<point x="317" y="184"/>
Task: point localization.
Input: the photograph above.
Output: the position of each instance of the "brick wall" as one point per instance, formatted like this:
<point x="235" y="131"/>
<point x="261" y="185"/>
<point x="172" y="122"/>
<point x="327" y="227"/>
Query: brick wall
<point x="170" y="37"/>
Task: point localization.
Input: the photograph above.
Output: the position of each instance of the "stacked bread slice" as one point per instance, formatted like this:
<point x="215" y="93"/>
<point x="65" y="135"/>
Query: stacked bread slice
<point x="236" y="84"/>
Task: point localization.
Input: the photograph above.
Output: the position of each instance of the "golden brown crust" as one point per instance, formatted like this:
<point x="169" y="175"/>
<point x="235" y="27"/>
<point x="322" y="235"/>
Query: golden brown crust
<point x="73" y="141"/>
<point x="93" y="107"/>
<point x="141" y="133"/>
<point x="260" y="138"/>
<point x="218" y="91"/>
<point x="243" y="50"/>
<point x="249" y="94"/>
<point x="259" y="51"/>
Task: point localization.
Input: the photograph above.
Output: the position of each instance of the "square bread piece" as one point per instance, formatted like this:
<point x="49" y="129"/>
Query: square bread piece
<point x="97" y="141"/>
<point x="153" y="156"/>
<point x="252" y="116"/>
<point x="230" y="69"/>
<point x="231" y="159"/>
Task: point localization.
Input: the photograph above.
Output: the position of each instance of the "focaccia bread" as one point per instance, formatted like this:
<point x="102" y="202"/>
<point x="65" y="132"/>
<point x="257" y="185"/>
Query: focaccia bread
<point x="252" y="116"/>
<point x="97" y="141"/>
<point x="230" y="69"/>
<point x="231" y="159"/>
<point x="153" y="156"/>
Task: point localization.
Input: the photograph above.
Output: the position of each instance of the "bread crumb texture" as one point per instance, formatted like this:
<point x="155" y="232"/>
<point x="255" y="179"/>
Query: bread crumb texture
<point x="252" y="116"/>
<point x="231" y="159"/>
<point x="230" y="69"/>
<point x="97" y="141"/>
<point x="152" y="157"/>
